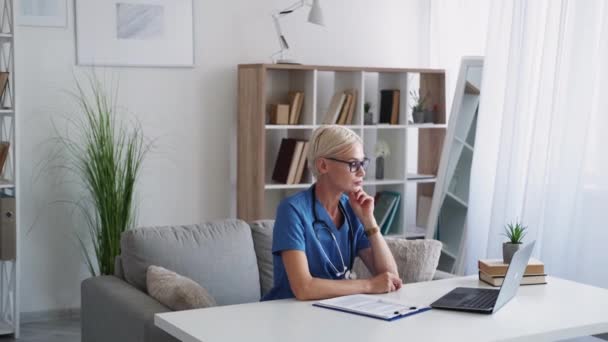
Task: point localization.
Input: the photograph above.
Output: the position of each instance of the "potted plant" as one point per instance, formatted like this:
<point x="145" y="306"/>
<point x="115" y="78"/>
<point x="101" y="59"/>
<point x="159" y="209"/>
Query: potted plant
<point x="515" y="232"/>
<point x="418" y="106"/>
<point x="106" y="156"/>
<point x="381" y="151"/>
<point x="368" y="118"/>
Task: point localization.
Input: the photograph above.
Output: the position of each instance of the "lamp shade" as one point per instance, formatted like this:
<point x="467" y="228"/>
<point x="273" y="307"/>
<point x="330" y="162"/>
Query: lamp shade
<point x="316" y="14"/>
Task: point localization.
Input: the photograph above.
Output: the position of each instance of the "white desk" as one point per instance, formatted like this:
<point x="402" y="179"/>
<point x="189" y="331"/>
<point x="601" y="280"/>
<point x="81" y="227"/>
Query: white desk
<point x="560" y="309"/>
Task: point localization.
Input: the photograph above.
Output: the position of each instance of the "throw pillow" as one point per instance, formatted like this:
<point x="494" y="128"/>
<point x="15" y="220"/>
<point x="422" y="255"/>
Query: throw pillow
<point x="416" y="260"/>
<point x="175" y="291"/>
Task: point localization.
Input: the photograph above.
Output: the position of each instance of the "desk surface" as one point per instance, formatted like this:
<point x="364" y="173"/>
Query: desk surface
<point x="560" y="309"/>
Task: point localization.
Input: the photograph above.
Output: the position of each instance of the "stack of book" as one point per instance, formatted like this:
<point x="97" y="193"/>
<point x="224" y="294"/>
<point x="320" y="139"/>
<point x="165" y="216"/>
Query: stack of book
<point x="290" y="167"/>
<point x="493" y="271"/>
<point x="389" y="106"/>
<point x="386" y="208"/>
<point x="287" y="114"/>
<point x="341" y="108"/>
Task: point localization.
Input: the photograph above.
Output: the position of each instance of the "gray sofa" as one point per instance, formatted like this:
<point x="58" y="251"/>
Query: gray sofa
<point x="229" y="258"/>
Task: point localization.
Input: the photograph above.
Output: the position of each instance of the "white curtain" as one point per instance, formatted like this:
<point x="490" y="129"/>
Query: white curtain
<point x="545" y="91"/>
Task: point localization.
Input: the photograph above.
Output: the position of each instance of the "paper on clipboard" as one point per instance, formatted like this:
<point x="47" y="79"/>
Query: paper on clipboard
<point x="371" y="306"/>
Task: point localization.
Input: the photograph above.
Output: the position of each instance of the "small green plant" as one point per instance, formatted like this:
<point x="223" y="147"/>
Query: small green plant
<point x="515" y="232"/>
<point x="418" y="101"/>
<point x="366" y="107"/>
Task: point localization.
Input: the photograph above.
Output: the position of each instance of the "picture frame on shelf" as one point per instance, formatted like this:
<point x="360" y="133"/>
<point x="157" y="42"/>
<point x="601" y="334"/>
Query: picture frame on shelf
<point x="143" y="33"/>
<point x="44" y="13"/>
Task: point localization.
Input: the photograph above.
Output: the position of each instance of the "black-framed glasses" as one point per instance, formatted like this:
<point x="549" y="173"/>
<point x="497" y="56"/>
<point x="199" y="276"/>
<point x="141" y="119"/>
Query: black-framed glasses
<point x="353" y="165"/>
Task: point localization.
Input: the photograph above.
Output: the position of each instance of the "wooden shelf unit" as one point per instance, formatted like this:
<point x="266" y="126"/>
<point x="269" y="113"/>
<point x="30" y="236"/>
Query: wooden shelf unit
<point x="261" y="85"/>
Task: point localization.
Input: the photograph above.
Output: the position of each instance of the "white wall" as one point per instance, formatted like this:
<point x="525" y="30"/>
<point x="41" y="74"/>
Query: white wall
<point x="192" y="111"/>
<point x="459" y="28"/>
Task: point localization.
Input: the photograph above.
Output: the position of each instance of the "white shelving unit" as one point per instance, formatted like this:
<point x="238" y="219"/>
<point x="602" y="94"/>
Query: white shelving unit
<point x="447" y="221"/>
<point x="262" y="85"/>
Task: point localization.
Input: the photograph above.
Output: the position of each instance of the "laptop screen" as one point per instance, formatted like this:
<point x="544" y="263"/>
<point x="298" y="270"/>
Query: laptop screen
<point x="515" y="273"/>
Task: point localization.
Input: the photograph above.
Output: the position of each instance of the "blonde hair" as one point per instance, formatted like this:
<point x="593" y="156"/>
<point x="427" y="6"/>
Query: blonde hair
<point x="330" y="140"/>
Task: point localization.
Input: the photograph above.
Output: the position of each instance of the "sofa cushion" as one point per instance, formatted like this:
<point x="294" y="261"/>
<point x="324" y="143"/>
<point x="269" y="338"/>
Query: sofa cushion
<point x="416" y="259"/>
<point x="262" y="241"/>
<point x="175" y="291"/>
<point x="218" y="255"/>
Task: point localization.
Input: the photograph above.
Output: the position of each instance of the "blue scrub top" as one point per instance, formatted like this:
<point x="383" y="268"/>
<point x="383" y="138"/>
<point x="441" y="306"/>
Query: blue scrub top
<point x="293" y="230"/>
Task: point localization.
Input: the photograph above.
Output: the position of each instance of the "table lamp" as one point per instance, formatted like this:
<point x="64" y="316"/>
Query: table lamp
<point x="315" y="16"/>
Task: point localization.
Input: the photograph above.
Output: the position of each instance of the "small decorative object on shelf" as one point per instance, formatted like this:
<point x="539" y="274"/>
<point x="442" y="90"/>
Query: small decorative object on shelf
<point x="418" y="106"/>
<point x="368" y="118"/>
<point x="429" y="115"/>
<point x="515" y="232"/>
<point x="382" y="151"/>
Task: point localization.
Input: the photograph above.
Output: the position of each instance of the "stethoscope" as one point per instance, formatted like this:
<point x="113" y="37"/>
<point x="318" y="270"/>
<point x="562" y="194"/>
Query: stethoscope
<point x="346" y="271"/>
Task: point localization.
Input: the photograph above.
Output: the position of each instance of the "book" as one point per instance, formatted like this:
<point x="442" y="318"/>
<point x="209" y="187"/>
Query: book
<point x="4" y="150"/>
<point x="283" y="162"/>
<point x="345" y="108"/>
<point x="390" y="224"/>
<point x="351" y="109"/>
<point x="295" y="160"/>
<point x="527" y="279"/>
<point x="296" y="100"/>
<point x="395" y="108"/>
<point x="3" y="82"/>
<point x="372" y="306"/>
<point x="389" y="106"/>
<point x="301" y="164"/>
<point x="279" y="114"/>
<point x="496" y="267"/>
<point x="335" y="108"/>
<point x="385" y="207"/>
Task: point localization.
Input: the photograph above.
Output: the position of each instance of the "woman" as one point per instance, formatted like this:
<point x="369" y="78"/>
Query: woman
<point x="319" y="231"/>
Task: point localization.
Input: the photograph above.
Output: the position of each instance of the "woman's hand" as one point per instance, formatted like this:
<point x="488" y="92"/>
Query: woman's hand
<point x="363" y="205"/>
<point x="384" y="282"/>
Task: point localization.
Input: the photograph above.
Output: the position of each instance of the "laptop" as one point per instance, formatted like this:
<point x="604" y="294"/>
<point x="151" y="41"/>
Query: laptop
<point x="488" y="301"/>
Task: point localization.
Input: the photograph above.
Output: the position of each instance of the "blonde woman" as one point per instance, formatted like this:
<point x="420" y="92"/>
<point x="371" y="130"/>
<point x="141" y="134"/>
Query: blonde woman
<point x="319" y="231"/>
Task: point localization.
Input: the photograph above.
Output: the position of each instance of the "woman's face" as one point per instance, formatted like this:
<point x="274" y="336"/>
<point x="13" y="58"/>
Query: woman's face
<point x="338" y="170"/>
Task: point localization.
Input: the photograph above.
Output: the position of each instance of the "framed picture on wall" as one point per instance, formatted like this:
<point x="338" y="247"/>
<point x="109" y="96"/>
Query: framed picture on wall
<point x="50" y="13"/>
<point x="148" y="33"/>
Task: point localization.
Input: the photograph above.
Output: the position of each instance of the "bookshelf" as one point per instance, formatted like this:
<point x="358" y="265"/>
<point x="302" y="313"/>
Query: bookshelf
<point x="9" y="209"/>
<point x="414" y="148"/>
<point x="448" y="215"/>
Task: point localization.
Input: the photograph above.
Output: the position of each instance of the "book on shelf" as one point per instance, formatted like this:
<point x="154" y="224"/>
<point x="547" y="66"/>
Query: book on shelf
<point x="527" y="279"/>
<point x="279" y="114"/>
<point x="352" y="107"/>
<point x="302" y="164"/>
<point x="389" y="106"/>
<point x="290" y="165"/>
<point x="295" y="161"/>
<point x="4" y="75"/>
<point x="296" y="101"/>
<point x="4" y="150"/>
<point x="283" y="162"/>
<point x="344" y="111"/>
<point x="385" y="208"/>
<point x="335" y="108"/>
<point x="341" y="108"/>
<point x="496" y="267"/>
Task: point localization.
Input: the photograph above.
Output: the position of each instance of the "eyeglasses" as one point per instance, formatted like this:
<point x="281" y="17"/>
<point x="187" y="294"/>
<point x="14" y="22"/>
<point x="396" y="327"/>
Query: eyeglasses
<point x="354" y="165"/>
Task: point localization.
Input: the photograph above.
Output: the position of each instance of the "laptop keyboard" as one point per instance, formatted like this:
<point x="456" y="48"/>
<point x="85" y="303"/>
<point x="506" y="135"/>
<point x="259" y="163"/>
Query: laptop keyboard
<point x="483" y="299"/>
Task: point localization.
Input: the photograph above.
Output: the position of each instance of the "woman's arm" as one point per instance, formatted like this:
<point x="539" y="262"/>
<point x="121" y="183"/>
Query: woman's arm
<point x="379" y="258"/>
<point x="307" y="287"/>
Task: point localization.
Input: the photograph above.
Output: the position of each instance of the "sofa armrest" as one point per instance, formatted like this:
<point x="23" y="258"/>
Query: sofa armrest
<point x="113" y="310"/>
<point x="442" y="275"/>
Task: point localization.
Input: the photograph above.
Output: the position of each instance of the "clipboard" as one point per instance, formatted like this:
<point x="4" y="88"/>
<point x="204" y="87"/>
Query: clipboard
<point x="371" y="306"/>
